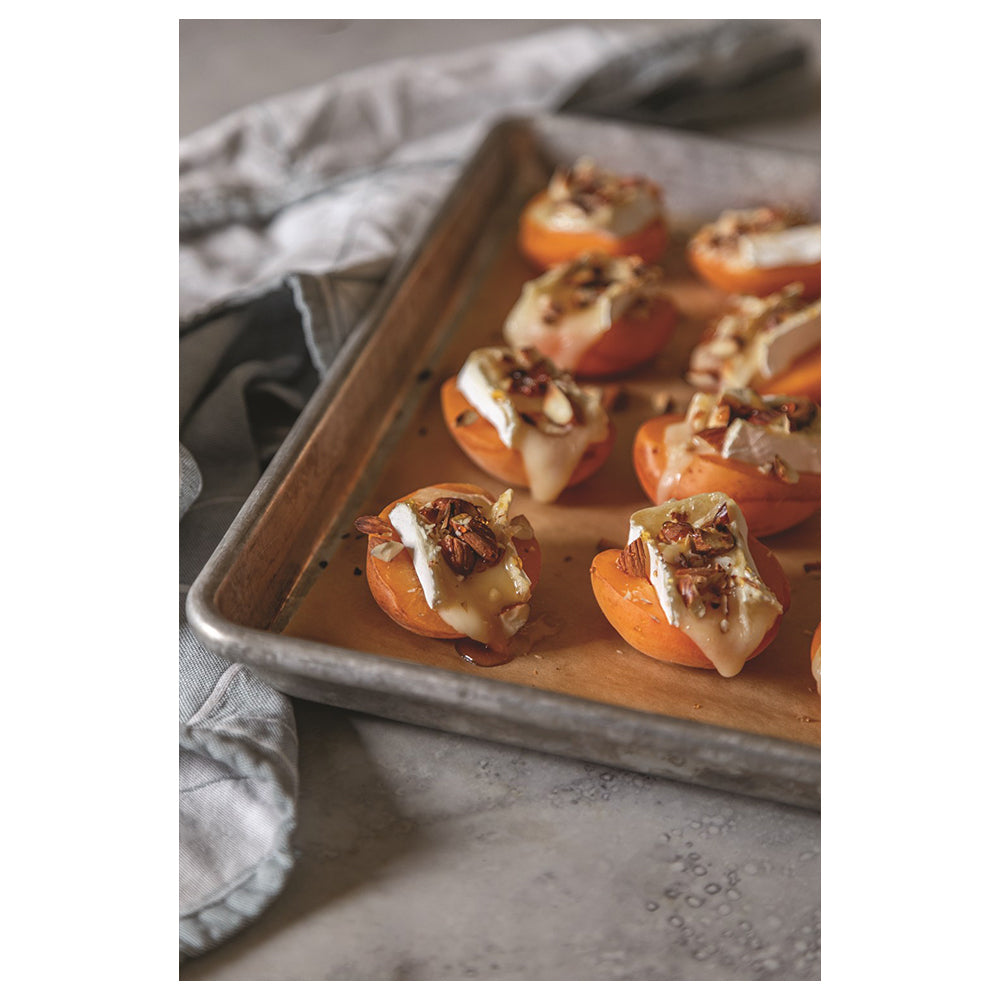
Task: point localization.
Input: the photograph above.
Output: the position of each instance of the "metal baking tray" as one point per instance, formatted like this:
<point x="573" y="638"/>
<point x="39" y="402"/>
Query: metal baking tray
<point x="284" y="591"/>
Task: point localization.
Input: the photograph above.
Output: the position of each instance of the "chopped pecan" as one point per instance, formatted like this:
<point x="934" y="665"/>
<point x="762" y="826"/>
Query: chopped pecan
<point x="673" y="532"/>
<point x="713" y="436"/>
<point x="484" y="543"/>
<point x="712" y="541"/>
<point x="459" y="556"/>
<point x="463" y="533"/>
<point x="706" y="583"/>
<point x="633" y="559"/>
<point x="440" y="511"/>
<point x="367" y="524"/>
<point x="686" y="559"/>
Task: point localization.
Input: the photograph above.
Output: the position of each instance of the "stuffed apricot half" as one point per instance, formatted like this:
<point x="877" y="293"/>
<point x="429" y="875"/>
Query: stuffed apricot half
<point x="770" y="344"/>
<point x="528" y="423"/>
<point x="596" y="315"/>
<point x="757" y="251"/>
<point x="692" y="586"/>
<point x="587" y="209"/>
<point x="763" y="451"/>
<point x="448" y="561"/>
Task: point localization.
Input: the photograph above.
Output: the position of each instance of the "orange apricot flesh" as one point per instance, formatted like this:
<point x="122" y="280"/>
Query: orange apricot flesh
<point x="759" y="281"/>
<point x="768" y="504"/>
<point x="483" y="445"/>
<point x="396" y="587"/>
<point x="632" y="608"/>
<point x="630" y="341"/>
<point x="545" y="248"/>
<point x="802" y="379"/>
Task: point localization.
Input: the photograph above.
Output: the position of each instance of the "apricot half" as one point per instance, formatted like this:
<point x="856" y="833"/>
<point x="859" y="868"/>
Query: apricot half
<point x="768" y="504"/>
<point x="545" y="247"/>
<point x="729" y="276"/>
<point x="482" y="444"/>
<point x="396" y="587"/>
<point x="632" y="607"/>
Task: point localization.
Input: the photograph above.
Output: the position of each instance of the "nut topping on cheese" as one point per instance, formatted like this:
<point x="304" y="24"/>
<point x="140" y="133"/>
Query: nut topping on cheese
<point x="779" y="435"/>
<point x="463" y="552"/>
<point x="756" y="339"/>
<point x="578" y="301"/>
<point x="695" y="554"/>
<point x="585" y="197"/>
<point x="537" y="409"/>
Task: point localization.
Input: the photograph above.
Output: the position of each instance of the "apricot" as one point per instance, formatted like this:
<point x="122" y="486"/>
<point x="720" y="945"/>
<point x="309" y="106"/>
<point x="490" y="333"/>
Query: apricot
<point x="728" y="276"/>
<point x="483" y="445"/>
<point x="632" y="607"/>
<point x="546" y="247"/>
<point x="396" y="587"/>
<point x="631" y="340"/>
<point x="768" y="504"/>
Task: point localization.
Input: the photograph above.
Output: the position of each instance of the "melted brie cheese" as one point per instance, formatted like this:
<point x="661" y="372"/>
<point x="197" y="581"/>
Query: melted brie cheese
<point x="777" y="349"/>
<point x="587" y="199"/>
<point x="484" y="604"/>
<point x="741" y="354"/>
<point x="760" y="445"/>
<point x="727" y="635"/>
<point x="549" y="458"/>
<point x="637" y="209"/>
<point x="578" y="328"/>
<point x="754" y="444"/>
<point x="784" y="248"/>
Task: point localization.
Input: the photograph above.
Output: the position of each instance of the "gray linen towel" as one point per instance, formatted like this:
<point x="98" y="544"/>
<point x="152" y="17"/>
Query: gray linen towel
<point x="291" y="215"/>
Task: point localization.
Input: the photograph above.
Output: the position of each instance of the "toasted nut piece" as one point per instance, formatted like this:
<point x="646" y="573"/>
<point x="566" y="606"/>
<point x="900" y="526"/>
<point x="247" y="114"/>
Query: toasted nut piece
<point x="634" y="559"/>
<point x="557" y="406"/>
<point x="673" y="532"/>
<point x="443" y="509"/>
<point x="459" y="556"/>
<point x="712" y="541"/>
<point x="696" y="583"/>
<point x="483" y="542"/>
<point x="387" y="551"/>
<point x="369" y="525"/>
<point x="713" y="436"/>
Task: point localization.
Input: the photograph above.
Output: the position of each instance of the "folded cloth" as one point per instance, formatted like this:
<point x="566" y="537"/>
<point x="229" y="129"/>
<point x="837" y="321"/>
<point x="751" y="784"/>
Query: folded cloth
<point x="291" y="215"/>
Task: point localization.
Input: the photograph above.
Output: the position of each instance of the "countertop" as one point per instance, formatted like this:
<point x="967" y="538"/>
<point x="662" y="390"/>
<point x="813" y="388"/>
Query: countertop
<point x="428" y="856"/>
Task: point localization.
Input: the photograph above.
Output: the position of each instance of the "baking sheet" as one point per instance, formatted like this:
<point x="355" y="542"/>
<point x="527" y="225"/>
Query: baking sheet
<point x="757" y="732"/>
